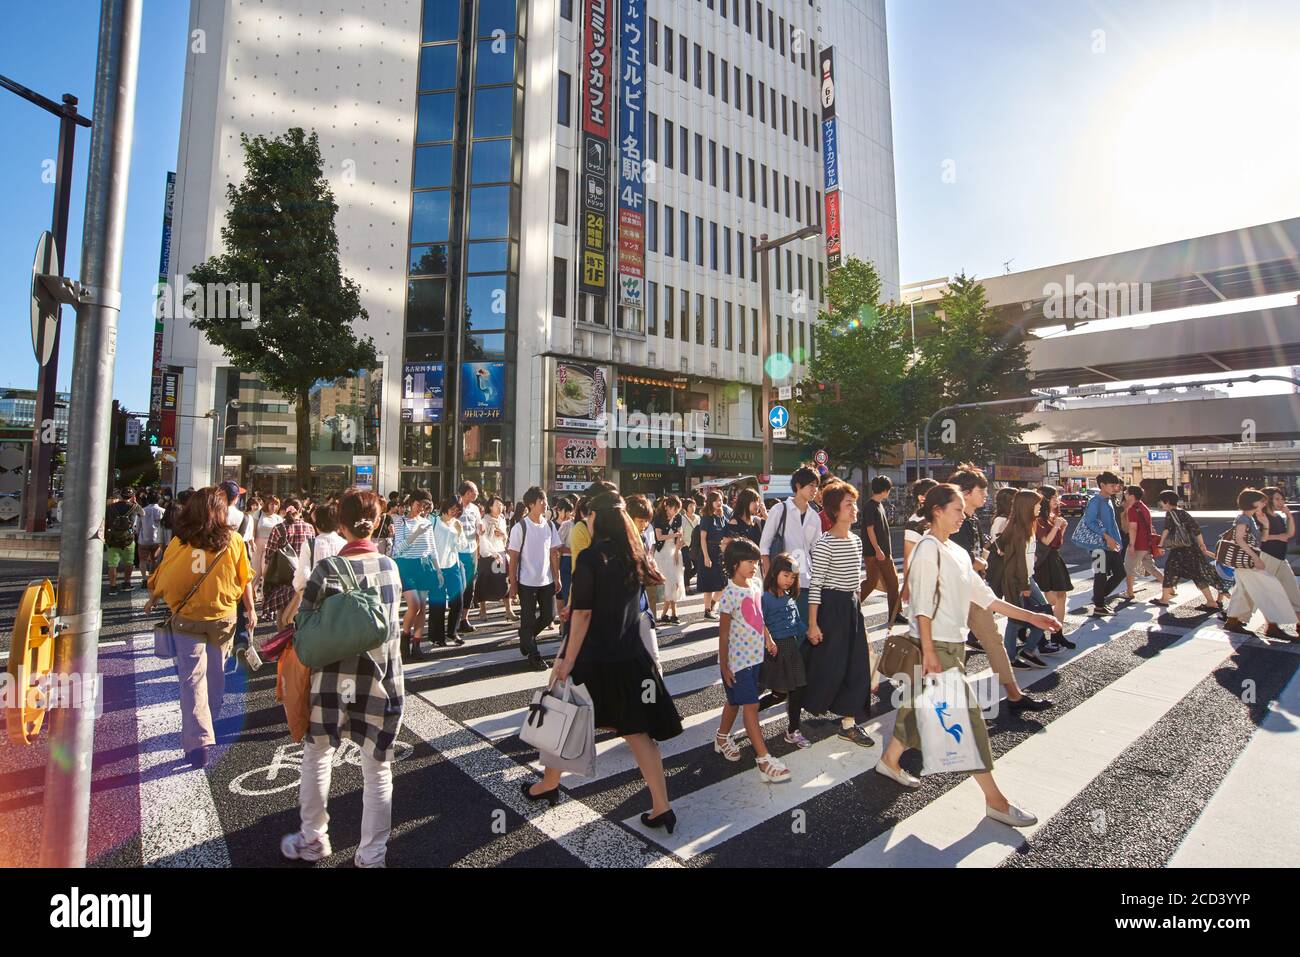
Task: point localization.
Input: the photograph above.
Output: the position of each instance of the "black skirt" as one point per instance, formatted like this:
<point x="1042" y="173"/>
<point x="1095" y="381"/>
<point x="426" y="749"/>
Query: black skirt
<point x="1051" y="573"/>
<point x="490" y="585"/>
<point x="618" y="692"/>
<point x="785" y="671"/>
<point x="712" y="578"/>
<point x="839" y="669"/>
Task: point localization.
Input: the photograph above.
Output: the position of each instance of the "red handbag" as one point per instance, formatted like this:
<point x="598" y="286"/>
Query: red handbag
<point x="273" y="649"/>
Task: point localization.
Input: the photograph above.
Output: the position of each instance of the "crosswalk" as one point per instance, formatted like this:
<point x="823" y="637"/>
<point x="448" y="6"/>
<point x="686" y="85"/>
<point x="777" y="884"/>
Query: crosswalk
<point x="1153" y="703"/>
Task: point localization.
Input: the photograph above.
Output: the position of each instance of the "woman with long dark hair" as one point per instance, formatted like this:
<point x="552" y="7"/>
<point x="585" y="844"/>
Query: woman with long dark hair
<point x="1016" y="544"/>
<point x="711" y="532"/>
<point x="203" y="623"/>
<point x="1050" y="573"/>
<point x="746" y="518"/>
<point x="605" y="653"/>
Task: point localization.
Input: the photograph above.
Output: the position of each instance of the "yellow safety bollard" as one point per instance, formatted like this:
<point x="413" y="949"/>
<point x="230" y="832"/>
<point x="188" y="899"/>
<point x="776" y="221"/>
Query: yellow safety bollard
<point x="31" y="660"/>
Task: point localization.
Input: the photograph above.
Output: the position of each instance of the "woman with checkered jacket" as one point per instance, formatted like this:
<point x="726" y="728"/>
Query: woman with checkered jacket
<point x="358" y="700"/>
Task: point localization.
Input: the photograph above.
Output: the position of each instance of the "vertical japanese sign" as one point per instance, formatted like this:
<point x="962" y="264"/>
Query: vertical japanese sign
<point x="631" y="151"/>
<point x="171" y="386"/>
<point x="164" y="259"/>
<point x="597" y="104"/>
<point x="830" y="158"/>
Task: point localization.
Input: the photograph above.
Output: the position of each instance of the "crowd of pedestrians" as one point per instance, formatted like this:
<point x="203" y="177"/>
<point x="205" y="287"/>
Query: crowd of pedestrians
<point x="785" y="584"/>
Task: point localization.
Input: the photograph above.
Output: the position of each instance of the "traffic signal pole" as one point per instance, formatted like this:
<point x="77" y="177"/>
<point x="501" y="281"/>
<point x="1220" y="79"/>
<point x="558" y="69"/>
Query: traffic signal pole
<point x="46" y="375"/>
<point x="65" y="824"/>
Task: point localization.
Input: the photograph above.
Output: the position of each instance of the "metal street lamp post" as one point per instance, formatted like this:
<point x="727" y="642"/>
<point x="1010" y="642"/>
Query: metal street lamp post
<point x="763" y="246"/>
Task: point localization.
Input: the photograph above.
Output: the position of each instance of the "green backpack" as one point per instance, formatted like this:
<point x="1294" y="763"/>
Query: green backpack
<point x="346" y="624"/>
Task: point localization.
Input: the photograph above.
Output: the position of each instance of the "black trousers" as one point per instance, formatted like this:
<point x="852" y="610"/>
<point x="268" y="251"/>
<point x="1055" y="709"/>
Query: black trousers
<point x="536" y="611"/>
<point x="443" y="619"/>
<point x="1111" y="575"/>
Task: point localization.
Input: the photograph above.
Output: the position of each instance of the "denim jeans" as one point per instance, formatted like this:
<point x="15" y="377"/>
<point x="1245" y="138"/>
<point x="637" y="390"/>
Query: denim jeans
<point x="1034" y="601"/>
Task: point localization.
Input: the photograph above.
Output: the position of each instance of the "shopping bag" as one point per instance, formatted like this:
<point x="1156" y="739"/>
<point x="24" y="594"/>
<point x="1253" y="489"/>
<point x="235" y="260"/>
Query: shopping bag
<point x="293" y="690"/>
<point x="943" y="720"/>
<point x="560" y="724"/>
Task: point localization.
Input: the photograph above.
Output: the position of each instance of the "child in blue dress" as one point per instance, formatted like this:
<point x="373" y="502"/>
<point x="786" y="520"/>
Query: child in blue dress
<point x="782" y="671"/>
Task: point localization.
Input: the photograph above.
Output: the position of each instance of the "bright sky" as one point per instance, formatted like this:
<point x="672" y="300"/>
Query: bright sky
<point x="1175" y="120"/>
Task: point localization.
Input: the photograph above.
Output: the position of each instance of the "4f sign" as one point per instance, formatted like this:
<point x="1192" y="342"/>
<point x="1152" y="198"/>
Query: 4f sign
<point x="778" y="418"/>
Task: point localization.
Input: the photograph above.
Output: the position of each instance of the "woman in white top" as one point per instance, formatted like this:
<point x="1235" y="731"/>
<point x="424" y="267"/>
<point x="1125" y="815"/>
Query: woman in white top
<point x="267" y="519"/>
<point x="492" y="581"/>
<point x="666" y="547"/>
<point x="915" y="528"/>
<point x="943" y="585"/>
<point x="448" y="582"/>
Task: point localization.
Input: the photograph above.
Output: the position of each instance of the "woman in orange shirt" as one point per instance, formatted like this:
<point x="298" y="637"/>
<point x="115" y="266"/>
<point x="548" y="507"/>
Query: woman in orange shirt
<point x="207" y="552"/>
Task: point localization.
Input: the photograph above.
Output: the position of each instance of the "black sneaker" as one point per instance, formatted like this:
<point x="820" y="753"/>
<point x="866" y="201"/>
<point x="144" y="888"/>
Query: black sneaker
<point x="1100" y="611"/>
<point x="1027" y="702"/>
<point x="455" y="640"/>
<point x="901" y="620"/>
<point x="1064" y="642"/>
<point x="711" y="616"/>
<point x="127" y="586"/>
<point x="973" y="643"/>
<point x="1020" y="664"/>
<point x="538" y="662"/>
<point x="857" y="736"/>
<point x="465" y="628"/>
<point x="112" y="589"/>
<point x="1033" y="659"/>
<point x="1049" y="647"/>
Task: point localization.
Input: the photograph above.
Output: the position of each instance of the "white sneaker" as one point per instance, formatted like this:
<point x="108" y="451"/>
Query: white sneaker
<point x="1014" y="816"/>
<point x="900" y="776"/>
<point x="297" y="848"/>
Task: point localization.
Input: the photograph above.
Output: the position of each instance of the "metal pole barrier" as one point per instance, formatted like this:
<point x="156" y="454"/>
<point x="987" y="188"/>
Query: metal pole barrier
<point x="72" y="738"/>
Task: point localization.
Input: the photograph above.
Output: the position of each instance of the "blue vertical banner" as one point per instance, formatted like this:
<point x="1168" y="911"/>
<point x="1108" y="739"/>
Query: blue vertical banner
<point x="631" y="155"/>
<point x="482" y="391"/>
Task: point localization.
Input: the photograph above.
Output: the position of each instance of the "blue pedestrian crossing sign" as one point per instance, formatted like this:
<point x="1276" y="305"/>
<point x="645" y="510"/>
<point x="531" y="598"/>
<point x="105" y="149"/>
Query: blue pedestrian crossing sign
<point x="779" y="417"/>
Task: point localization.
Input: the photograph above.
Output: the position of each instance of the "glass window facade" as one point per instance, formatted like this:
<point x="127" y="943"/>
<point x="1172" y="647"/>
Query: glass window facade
<point x="463" y="258"/>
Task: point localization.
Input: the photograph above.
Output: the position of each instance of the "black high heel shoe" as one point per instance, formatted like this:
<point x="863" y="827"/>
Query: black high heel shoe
<point x="553" y="795"/>
<point x="667" y="820"/>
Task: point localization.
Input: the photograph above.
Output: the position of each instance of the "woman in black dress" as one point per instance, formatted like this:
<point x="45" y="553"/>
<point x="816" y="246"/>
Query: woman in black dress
<point x="712" y="530"/>
<point x="604" y="652"/>
<point x="1186" y="556"/>
<point x="746" y="518"/>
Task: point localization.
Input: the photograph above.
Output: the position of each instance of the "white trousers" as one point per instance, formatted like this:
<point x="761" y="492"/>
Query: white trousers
<point x="376" y="801"/>
<point x="1281" y="570"/>
<point x="1258" y="588"/>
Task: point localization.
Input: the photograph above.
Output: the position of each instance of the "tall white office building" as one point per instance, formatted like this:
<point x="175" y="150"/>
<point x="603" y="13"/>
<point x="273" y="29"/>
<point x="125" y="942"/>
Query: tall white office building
<point x="549" y="206"/>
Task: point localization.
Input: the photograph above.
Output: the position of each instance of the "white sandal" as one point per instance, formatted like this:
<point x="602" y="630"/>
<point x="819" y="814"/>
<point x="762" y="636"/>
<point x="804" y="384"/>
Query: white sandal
<point x="772" y="770"/>
<point x="723" y="745"/>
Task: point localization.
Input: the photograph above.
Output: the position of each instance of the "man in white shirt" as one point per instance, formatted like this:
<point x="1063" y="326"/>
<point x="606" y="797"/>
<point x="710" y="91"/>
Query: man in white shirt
<point x="534" y="550"/>
<point x="471" y="523"/>
<point x="800" y="525"/>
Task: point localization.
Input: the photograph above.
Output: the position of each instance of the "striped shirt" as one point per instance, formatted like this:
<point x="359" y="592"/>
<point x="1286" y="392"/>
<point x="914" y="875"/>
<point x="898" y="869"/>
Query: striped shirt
<point x="836" y="564"/>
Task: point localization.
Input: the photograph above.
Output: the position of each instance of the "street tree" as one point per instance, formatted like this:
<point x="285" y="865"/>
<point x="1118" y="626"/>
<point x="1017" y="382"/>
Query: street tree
<point x="863" y="351"/>
<point x="294" y="324"/>
<point x="974" y="357"/>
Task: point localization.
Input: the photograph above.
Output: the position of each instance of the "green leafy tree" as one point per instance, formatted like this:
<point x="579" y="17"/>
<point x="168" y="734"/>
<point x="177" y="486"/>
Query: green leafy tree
<point x="864" y="348"/>
<point x="279" y="234"/>
<point x="975" y="358"/>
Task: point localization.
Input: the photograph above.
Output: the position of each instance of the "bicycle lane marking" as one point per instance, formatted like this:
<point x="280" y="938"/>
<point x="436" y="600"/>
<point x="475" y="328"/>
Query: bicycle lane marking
<point x="285" y="770"/>
<point x="179" y="826"/>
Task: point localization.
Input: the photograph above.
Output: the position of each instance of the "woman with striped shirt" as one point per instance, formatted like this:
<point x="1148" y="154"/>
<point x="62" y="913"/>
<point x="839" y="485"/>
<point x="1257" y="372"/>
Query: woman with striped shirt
<point x="837" y="656"/>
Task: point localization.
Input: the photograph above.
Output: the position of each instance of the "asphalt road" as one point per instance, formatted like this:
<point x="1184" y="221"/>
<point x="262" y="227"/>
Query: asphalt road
<point x="1149" y="724"/>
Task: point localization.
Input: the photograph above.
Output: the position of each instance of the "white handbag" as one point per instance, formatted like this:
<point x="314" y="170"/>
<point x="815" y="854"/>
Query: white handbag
<point x="560" y="724"/>
<point x="943" y="720"/>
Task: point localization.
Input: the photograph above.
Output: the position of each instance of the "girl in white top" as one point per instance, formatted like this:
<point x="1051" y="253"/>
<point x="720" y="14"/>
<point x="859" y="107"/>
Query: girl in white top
<point x="492" y="578"/>
<point x="943" y="586"/>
